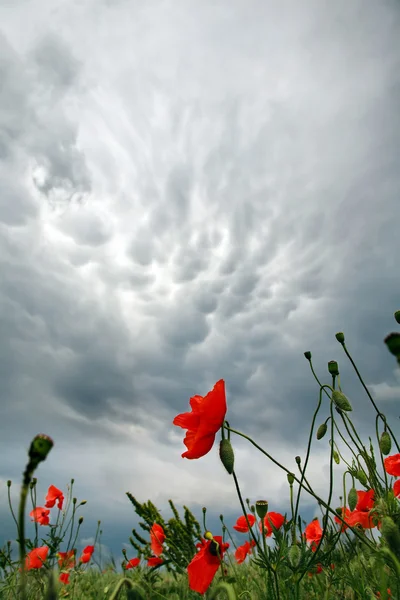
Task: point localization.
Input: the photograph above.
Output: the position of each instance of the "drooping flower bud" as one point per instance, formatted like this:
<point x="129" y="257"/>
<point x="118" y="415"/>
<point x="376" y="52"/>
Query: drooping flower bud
<point x="40" y="447"/>
<point x="392" y="341"/>
<point x="391" y="534"/>
<point x="397" y="316"/>
<point x="333" y="368"/>
<point x="322" y="429"/>
<point x="340" y="337"/>
<point x="341" y="401"/>
<point x="362" y="478"/>
<point x="307" y="355"/>
<point x="261" y="508"/>
<point x="385" y="443"/>
<point x="352" y="498"/>
<point x="294" y="555"/>
<point x="226" y="455"/>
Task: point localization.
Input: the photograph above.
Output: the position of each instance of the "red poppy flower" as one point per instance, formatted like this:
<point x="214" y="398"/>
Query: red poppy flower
<point x="53" y="495"/>
<point x="241" y="523"/>
<point x="365" y="500"/>
<point x="206" y="418"/>
<point x="154" y="561"/>
<point x="396" y="488"/>
<point x="272" y="518"/>
<point x="205" y="564"/>
<point x="87" y="554"/>
<point x="313" y="534"/>
<point x="40" y="515"/>
<point x="132" y="563"/>
<point x="345" y="514"/>
<point x="392" y="465"/>
<point x="36" y="557"/>
<point x="243" y="551"/>
<point x="64" y="577"/>
<point x="157" y="537"/>
<point x="361" y="517"/>
<point x="66" y="560"/>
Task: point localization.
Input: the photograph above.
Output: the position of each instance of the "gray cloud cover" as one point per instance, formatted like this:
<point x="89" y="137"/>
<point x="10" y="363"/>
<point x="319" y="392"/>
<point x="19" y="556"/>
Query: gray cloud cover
<point x="187" y="193"/>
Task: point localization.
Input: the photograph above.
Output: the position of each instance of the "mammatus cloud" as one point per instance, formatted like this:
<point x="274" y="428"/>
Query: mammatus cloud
<point x="189" y="193"/>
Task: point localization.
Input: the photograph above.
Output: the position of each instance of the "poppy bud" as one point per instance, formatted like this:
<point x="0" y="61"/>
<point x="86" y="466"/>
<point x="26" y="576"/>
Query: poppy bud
<point x="40" y="447"/>
<point x="290" y="478"/>
<point x="385" y="443"/>
<point x="261" y="508"/>
<point x="253" y="509"/>
<point x="226" y="455"/>
<point x="333" y="368"/>
<point x="340" y="337"/>
<point x="298" y="459"/>
<point x="392" y="341"/>
<point x="80" y="520"/>
<point x="336" y="457"/>
<point x="322" y="429"/>
<point x="397" y="316"/>
<point x="391" y="534"/>
<point x="294" y="555"/>
<point x="361" y="476"/>
<point x="341" y="401"/>
<point x="307" y="355"/>
<point x="352" y="498"/>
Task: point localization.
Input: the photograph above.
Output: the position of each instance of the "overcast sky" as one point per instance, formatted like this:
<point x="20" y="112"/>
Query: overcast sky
<point x="191" y="191"/>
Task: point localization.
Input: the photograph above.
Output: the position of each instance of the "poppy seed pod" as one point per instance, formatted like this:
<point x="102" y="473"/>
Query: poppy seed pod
<point x="385" y="443"/>
<point x="340" y="337"/>
<point x="397" y="316"/>
<point x="333" y="368"/>
<point x="40" y="447"/>
<point x="322" y="429"/>
<point x="352" y="498"/>
<point x="261" y="508"/>
<point x="226" y="455"/>
<point x="341" y="401"/>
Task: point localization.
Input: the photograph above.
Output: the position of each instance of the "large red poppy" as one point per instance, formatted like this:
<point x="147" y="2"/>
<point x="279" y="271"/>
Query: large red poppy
<point x="392" y="465"/>
<point x="203" y="422"/>
<point x="241" y="523"/>
<point x="36" y="557"/>
<point x="272" y="518"/>
<point x="157" y="537"/>
<point x="205" y="564"/>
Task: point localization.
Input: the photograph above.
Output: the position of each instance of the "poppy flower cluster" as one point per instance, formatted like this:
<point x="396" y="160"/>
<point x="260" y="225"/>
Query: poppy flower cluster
<point x="37" y="556"/>
<point x="157" y="539"/>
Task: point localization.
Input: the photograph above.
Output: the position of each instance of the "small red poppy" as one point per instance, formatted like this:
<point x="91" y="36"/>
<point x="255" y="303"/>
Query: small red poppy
<point x="53" y="495"/>
<point x="132" y="563"/>
<point x="241" y="523"/>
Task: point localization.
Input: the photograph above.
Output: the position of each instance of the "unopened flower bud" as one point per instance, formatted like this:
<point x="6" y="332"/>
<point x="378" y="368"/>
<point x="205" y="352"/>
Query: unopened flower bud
<point x="40" y="447"/>
<point x="322" y="429"/>
<point x="294" y="555"/>
<point x="385" y="443"/>
<point x="298" y="460"/>
<point x="83" y="502"/>
<point x="397" y="316"/>
<point x="362" y="478"/>
<point x="352" y="498"/>
<point x="307" y="355"/>
<point x="333" y="368"/>
<point x="341" y="401"/>
<point x="391" y="534"/>
<point x="261" y="508"/>
<point x="340" y="337"/>
<point x="336" y="457"/>
<point x="290" y="478"/>
<point x="226" y="455"/>
<point x="80" y="520"/>
<point x="392" y="341"/>
<point x="9" y="482"/>
<point x="252" y="508"/>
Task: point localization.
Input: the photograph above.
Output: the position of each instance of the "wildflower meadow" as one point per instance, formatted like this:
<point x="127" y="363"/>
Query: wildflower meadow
<point x="351" y="551"/>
